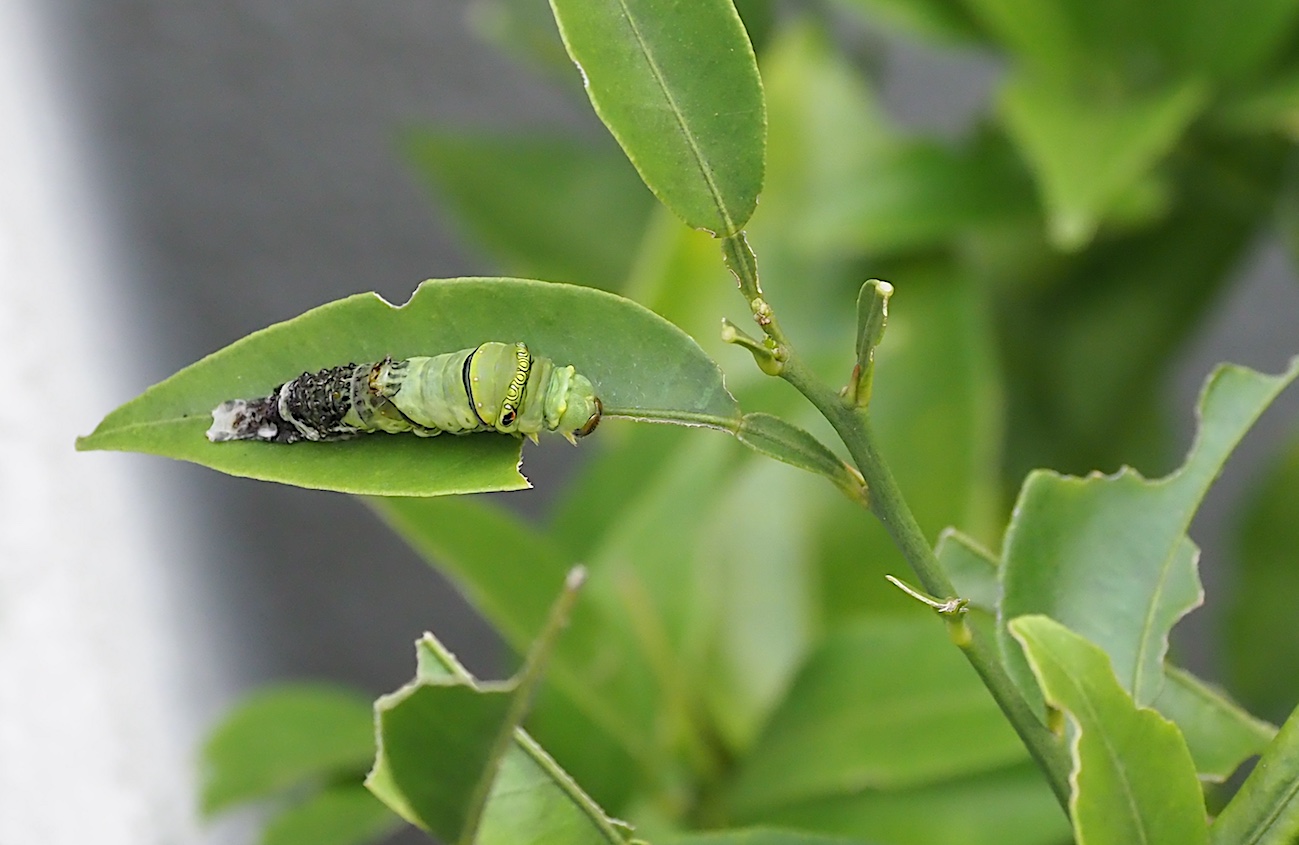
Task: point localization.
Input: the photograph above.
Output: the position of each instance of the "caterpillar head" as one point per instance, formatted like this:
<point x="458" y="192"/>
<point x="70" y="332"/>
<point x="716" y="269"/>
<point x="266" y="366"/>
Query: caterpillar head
<point x="581" y="409"/>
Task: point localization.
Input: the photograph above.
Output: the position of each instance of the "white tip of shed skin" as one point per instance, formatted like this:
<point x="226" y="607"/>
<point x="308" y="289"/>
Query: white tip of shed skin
<point x="227" y="419"/>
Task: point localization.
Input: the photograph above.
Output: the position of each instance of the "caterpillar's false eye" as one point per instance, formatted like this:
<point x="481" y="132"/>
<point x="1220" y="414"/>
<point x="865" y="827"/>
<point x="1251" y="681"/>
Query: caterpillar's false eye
<point x="507" y="418"/>
<point x="589" y="425"/>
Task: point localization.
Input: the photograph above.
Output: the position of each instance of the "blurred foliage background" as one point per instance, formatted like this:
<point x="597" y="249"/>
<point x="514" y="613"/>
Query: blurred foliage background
<point x="1053" y="258"/>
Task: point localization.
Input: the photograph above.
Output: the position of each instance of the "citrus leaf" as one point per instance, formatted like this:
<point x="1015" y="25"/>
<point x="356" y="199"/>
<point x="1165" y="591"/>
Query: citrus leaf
<point x="677" y="84"/>
<point x="1108" y="556"/>
<point x="453" y="760"/>
<point x="1133" y="779"/>
<point x="613" y="341"/>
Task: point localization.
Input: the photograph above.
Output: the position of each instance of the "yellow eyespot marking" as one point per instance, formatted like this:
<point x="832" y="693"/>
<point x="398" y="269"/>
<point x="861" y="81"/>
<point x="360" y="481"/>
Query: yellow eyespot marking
<point x="514" y="391"/>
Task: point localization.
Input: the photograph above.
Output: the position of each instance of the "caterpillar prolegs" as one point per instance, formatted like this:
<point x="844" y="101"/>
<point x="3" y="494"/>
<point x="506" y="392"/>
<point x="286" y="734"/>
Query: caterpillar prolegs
<point x="492" y="387"/>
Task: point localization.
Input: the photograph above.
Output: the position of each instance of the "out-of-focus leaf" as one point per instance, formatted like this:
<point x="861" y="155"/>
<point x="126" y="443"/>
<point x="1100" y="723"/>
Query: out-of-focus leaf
<point x="1133" y="779"/>
<point x="1009" y="807"/>
<point x="972" y="569"/>
<point x="282" y="737"/>
<point x="1220" y="734"/>
<point x="1262" y="651"/>
<point x="1087" y="338"/>
<point x="757" y="836"/>
<point x="940" y="20"/>
<point x="1108" y="557"/>
<point x="757" y="613"/>
<point x="677" y="84"/>
<point x="611" y="340"/>
<point x="1087" y="151"/>
<point x="884" y="704"/>
<point x="342" y="815"/>
<point x="1272" y="107"/>
<point x="525" y="30"/>
<point x="546" y="208"/>
<point x="1266" y="809"/>
<point x="453" y="761"/>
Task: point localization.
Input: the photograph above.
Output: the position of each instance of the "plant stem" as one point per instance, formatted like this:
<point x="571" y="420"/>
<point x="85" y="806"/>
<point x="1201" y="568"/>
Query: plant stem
<point x="888" y="504"/>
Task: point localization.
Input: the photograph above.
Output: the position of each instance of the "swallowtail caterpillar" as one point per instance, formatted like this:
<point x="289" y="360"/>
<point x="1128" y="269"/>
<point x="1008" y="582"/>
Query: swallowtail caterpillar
<point x="492" y="387"/>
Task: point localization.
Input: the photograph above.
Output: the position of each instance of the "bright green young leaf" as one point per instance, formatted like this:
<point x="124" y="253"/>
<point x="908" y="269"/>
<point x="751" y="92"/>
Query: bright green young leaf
<point x="1133" y="779"/>
<point x="283" y="737"/>
<point x="453" y="760"/>
<point x="757" y="836"/>
<point x="1263" y="653"/>
<point x="1108" y="556"/>
<point x="1012" y="806"/>
<point x="677" y="84"/>
<point x="341" y="815"/>
<point x="611" y="340"/>
<point x="940" y="20"/>
<point x="545" y="208"/>
<point x="1220" y="734"/>
<point x="887" y="703"/>
<point x="1266" y="809"/>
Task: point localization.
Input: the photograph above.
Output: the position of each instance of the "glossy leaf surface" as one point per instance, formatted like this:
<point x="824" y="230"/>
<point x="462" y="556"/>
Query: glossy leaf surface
<point x="1133" y="779"/>
<point x="613" y="341"/>
<point x="677" y="84"/>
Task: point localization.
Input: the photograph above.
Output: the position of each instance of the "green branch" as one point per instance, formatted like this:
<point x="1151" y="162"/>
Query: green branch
<point x="888" y="504"/>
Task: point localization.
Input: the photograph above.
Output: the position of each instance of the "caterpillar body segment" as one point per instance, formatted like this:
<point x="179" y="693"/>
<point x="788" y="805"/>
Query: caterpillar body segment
<point x="496" y="386"/>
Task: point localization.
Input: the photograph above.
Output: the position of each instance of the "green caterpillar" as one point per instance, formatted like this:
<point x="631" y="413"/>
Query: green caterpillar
<point x="492" y="387"/>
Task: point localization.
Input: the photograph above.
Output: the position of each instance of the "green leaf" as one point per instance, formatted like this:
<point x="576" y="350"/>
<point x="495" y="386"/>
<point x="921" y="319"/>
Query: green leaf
<point x="677" y="84"/>
<point x="342" y="815"/>
<point x="1108" y="556"/>
<point x="1133" y="779"/>
<point x="1262" y="654"/>
<point x="784" y="441"/>
<point x="545" y="208"/>
<point x="757" y="836"/>
<point x="1266" y="809"/>
<point x="611" y="340"/>
<point x="1009" y="807"/>
<point x="283" y="736"/>
<point x="1087" y="151"/>
<point x="886" y="703"/>
<point x="1219" y="733"/>
<point x="453" y="760"/>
